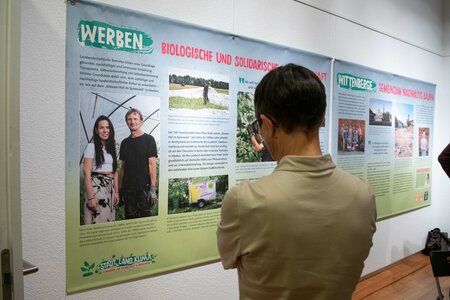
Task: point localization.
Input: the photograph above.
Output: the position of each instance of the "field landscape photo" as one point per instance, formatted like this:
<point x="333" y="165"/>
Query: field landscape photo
<point x="191" y="90"/>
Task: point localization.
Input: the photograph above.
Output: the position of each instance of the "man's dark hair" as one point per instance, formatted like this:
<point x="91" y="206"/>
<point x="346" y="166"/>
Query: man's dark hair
<point x="134" y="111"/>
<point x="293" y="97"/>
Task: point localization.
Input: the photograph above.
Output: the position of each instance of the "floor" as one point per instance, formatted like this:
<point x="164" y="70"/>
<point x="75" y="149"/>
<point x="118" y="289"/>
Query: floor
<point x="410" y="279"/>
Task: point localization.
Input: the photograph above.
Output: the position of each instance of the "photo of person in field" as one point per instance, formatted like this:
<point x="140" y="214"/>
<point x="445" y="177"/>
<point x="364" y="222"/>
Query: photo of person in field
<point x="191" y="91"/>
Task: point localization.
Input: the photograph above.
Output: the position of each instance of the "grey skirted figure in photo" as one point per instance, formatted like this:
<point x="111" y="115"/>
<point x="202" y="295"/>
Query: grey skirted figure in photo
<point x="205" y="93"/>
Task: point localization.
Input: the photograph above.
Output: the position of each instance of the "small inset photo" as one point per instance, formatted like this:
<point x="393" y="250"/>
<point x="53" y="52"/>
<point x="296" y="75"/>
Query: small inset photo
<point x="404" y="130"/>
<point x="194" y="91"/>
<point x="424" y="141"/>
<point x="196" y="193"/>
<point x="250" y="145"/>
<point x="380" y="112"/>
<point x="351" y="136"/>
<point x="423" y="178"/>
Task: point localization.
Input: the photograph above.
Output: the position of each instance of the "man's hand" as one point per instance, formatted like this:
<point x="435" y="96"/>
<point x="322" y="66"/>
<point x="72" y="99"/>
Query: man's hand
<point x="153" y="197"/>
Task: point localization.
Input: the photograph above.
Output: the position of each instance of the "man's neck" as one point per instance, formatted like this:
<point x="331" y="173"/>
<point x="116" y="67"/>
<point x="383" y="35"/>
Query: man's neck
<point x="298" y="143"/>
<point x="136" y="133"/>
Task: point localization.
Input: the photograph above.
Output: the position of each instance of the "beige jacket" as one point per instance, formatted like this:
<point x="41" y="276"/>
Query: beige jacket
<point x="302" y="232"/>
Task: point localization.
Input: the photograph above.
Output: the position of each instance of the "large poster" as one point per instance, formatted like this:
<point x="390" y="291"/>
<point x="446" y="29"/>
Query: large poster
<point x="383" y="128"/>
<point x="194" y="90"/>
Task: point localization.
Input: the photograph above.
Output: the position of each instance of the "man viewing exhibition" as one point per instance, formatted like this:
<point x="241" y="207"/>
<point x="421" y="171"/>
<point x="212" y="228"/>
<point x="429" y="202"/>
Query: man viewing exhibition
<point x="304" y="231"/>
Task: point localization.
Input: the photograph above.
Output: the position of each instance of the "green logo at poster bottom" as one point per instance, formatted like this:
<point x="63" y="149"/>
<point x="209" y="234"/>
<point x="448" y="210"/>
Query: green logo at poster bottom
<point x="114" y="264"/>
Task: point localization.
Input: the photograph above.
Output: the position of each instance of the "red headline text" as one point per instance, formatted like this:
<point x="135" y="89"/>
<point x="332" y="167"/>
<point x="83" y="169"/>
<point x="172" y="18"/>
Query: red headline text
<point x="395" y="90"/>
<point x="191" y="52"/>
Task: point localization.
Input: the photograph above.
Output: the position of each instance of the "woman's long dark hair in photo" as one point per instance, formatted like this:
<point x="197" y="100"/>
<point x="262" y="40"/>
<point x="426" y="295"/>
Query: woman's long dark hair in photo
<point x="110" y="143"/>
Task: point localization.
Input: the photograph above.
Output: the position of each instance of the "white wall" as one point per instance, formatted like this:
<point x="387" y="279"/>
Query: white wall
<point x="446" y="37"/>
<point x="294" y="24"/>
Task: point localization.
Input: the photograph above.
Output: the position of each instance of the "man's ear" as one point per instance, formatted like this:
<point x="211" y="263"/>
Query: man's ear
<point x="268" y="123"/>
<point x="264" y="120"/>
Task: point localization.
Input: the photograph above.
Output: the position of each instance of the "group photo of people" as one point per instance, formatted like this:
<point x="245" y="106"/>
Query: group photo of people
<point x="119" y="157"/>
<point x="351" y="135"/>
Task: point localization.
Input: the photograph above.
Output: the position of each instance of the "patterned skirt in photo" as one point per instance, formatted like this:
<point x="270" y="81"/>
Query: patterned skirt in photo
<point x="103" y="188"/>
